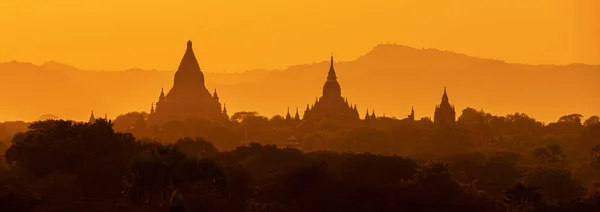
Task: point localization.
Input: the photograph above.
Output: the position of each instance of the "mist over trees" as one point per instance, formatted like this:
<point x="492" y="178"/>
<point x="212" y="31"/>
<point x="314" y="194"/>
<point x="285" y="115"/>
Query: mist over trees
<point x="482" y="163"/>
<point x="188" y="154"/>
<point x="385" y="67"/>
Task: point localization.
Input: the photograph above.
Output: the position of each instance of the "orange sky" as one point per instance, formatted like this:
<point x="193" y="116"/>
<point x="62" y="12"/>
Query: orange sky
<point x="239" y="35"/>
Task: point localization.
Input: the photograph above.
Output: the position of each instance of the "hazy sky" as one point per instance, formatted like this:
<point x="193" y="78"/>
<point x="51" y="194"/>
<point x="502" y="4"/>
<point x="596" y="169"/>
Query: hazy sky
<point x="235" y="35"/>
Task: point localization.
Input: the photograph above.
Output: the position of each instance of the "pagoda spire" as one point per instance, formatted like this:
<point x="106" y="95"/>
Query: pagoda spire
<point x="92" y="118"/>
<point x="215" y="95"/>
<point x="162" y="93"/>
<point x="151" y="108"/>
<point x="288" y="116"/>
<point x="297" y="116"/>
<point x="445" y="97"/>
<point x="225" y="109"/>
<point x="331" y="74"/>
<point x="373" y="115"/>
<point x="188" y="75"/>
<point x="306" y="112"/>
<point x="332" y="87"/>
<point x="189" y="61"/>
<point x="444" y="113"/>
<point x="367" y="115"/>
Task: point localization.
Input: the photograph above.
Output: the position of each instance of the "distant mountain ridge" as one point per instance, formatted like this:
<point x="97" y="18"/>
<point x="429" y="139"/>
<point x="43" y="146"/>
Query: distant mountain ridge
<point x="389" y="78"/>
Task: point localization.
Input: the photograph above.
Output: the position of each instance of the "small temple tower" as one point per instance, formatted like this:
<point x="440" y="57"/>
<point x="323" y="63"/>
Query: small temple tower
<point x="306" y="111"/>
<point x="188" y="97"/>
<point x="225" y="111"/>
<point x="288" y="116"/>
<point x="411" y="117"/>
<point x="297" y="116"/>
<point x="331" y="104"/>
<point x="92" y="118"/>
<point x="152" y="109"/>
<point x="444" y="113"/>
<point x="215" y="96"/>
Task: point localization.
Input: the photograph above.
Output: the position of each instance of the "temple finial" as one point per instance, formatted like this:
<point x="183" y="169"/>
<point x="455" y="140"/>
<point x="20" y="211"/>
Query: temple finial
<point x="445" y="97"/>
<point x="331" y="62"/>
<point x="92" y="118"/>
<point x="297" y="116"/>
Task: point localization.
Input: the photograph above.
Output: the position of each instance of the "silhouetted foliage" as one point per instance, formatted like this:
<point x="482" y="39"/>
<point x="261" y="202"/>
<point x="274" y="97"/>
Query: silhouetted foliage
<point x="552" y="153"/>
<point x="591" y="121"/>
<point x="571" y="119"/>
<point x="87" y="152"/>
<point x="595" y="157"/>
<point x="491" y="163"/>
<point x="126" y="122"/>
<point x="556" y="184"/>
<point x="196" y="148"/>
<point x="523" y="198"/>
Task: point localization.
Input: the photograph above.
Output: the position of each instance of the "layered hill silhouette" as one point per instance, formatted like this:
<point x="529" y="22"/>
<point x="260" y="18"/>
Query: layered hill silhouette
<point x="390" y="79"/>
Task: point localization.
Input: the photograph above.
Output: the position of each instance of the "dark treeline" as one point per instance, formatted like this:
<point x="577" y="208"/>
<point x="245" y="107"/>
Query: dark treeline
<point x="481" y="163"/>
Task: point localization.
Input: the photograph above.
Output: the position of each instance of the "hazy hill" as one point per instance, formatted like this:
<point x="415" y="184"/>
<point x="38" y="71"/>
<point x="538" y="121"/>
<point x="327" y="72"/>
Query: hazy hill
<point x="390" y="78"/>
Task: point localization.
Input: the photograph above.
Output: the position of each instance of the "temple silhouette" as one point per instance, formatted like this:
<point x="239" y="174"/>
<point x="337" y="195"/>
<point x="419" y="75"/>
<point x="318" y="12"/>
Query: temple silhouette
<point x="188" y="98"/>
<point x="331" y="105"/>
<point x="93" y="118"/>
<point x="444" y="113"/>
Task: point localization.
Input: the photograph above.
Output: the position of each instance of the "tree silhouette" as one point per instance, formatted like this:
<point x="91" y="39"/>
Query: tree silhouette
<point x="91" y="152"/>
<point x="571" y="119"/>
<point x="161" y="170"/>
<point x="240" y="116"/>
<point x="196" y="148"/>
<point x="125" y="122"/>
<point x="522" y="198"/>
<point x="591" y="121"/>
<point x="595" y="158"/>
<point x="551" y="153"/>
<point x="556" y="184"/>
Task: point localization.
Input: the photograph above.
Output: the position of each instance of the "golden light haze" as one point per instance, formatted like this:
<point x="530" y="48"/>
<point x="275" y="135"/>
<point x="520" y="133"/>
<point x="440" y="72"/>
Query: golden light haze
<point x="235" y="36"/>
<point x="241" y="35"/>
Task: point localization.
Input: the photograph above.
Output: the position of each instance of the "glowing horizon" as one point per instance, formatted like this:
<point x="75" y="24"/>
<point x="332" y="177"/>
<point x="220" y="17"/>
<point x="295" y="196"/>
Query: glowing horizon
<point x="264" y="34"/>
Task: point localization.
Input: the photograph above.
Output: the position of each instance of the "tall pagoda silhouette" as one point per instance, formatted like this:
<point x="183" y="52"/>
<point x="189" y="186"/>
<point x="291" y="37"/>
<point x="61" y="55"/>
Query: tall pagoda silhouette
<point x="188" y="98"/>
<point x="331" y="104"/>
<point x="444" y="113"/>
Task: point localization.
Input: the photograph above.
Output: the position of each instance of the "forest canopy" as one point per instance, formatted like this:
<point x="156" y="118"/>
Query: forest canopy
<point x="482" y="163"/>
